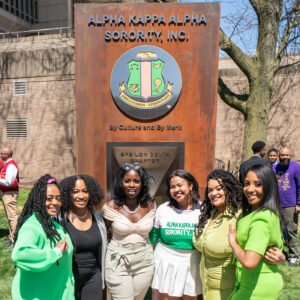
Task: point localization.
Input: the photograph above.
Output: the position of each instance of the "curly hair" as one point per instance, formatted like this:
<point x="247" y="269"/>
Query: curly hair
<point x="233" y="195"/>
<point x="195" y="195"/>
<point x="67" y="185"/>
<point x="144" y="195"/>
<point x="36" y="204"/>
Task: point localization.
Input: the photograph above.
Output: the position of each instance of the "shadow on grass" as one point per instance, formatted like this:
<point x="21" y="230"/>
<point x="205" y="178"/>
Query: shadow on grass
<point x="3" y="232"/>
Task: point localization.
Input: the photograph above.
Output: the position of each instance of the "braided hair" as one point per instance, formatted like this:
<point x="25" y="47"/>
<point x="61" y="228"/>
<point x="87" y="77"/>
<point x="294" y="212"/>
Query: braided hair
<point x="67" y="185"/>
<point x="233" y="195"/>
<point x="36" y="204"/>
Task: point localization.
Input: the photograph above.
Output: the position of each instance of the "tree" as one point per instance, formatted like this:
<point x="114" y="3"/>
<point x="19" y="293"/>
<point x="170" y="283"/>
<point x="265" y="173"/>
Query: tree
<point x="278" y="28"/>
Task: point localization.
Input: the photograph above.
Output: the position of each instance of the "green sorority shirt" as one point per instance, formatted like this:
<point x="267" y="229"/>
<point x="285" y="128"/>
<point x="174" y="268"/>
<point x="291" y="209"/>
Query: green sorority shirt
<point x="174" y="227"/>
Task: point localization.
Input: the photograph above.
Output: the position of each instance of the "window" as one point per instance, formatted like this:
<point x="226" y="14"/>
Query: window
<point x="16" y="128"/>
<point x="20" y="88"/>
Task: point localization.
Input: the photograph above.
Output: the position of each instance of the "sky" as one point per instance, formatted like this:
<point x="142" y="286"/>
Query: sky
<point x="230" y="10"/>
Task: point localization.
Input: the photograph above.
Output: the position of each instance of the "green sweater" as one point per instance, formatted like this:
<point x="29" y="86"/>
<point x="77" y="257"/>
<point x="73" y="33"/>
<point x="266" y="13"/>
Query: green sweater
<point x="43" y="272"/>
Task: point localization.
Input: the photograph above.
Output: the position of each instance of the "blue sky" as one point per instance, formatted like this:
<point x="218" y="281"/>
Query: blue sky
<point x="231" y="11"/>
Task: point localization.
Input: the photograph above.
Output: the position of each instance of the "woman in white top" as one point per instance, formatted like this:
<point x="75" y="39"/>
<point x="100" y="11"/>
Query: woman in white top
<point x="176" y="274"/>
<point x="129" y="216"/>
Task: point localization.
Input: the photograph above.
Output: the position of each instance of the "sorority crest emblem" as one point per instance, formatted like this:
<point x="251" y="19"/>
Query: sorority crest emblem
<point x="146" y="82"/>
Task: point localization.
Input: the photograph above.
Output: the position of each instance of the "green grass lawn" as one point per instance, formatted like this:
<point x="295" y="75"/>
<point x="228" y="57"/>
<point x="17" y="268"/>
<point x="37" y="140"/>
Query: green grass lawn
<point x="291" y="275"/>
<point x="7" y="270"/>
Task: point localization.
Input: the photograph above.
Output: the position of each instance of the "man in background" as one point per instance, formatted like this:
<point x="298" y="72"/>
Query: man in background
<point x="9" y="186"/>
<point x="272" y="156"/>
<point x="259" y="151"/>
<point x="288" y="178"/>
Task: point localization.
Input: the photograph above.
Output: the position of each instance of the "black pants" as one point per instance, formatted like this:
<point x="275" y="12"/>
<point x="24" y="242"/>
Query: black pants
<point x="90" y="286"/>
<point x="291" y="224"/>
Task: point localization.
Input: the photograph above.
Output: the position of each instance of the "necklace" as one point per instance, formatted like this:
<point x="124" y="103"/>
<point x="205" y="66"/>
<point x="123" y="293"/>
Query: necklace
<point x="79" y="217"/>
<point x="132" y="212"/>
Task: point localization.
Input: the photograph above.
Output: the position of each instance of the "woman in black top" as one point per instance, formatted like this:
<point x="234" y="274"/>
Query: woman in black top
<point x="80" y="195"/>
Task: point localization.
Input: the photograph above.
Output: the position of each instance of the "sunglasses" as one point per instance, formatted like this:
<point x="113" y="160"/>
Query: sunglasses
<point x="134" y="166"/>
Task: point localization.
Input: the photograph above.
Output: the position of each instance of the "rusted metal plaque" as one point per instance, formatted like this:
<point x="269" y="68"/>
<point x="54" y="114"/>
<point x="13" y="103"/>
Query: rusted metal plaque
<point x="146" y="73"/>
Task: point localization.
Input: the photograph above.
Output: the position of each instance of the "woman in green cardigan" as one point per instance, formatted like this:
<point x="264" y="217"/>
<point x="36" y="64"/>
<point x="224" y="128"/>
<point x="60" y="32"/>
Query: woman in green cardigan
<point x="43" y="250"/>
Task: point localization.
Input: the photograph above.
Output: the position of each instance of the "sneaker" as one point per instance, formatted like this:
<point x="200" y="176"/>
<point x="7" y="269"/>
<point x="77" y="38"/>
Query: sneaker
<point x="293" y="261"/>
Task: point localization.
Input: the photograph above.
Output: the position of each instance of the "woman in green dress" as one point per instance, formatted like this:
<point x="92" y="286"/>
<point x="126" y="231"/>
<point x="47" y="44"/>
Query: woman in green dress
<point x="258" y="229"/>
<point x="221" y="207"/>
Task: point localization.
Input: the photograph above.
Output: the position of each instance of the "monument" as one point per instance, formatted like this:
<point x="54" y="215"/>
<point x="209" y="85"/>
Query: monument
<point x="146" y="89"/>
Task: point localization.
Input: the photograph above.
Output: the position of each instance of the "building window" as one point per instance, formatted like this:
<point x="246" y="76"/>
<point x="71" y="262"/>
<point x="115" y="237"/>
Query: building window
<point x="16" y="128"/>
<point x="24" y="9"/>
<point x="20" y="88"/>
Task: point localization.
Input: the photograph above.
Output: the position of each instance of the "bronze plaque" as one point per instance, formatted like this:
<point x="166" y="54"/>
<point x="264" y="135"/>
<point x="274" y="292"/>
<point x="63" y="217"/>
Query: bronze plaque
<point x="146" y="73"/>
<point x="159" y="160"/>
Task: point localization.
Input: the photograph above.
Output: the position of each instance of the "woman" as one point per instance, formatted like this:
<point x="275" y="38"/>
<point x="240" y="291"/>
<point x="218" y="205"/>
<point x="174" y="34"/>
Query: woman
<point x="129" y="217"/>
<point x="43" y="250"/>
<point x="258" y="229"/>
<point x="223" y="196"/>
<point x="80" y="194"/>
<point x="176" y="261"/>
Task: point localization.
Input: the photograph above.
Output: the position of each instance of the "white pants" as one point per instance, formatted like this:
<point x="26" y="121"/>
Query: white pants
<point x="129" y="270"/>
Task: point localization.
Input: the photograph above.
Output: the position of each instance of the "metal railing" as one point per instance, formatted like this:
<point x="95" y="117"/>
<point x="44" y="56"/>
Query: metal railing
<point x="37" y="32"/>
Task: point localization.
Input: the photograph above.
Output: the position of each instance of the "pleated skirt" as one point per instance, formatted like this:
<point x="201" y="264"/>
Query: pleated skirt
<point x="176" y="271"/>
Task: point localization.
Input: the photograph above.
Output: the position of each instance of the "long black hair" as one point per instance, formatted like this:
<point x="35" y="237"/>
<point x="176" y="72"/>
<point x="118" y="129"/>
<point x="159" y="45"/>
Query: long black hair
<point x="195" y="195"/>
<point x="36" y="204"/>
<point x="67" y="185"/>
<point x="144" y="195"/>
<point x="270" y="191"/>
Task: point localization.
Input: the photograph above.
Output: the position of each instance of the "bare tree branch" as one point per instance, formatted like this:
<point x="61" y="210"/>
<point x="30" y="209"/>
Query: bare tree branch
<point x="287" y="65"/>
<point x="255" y="4"/>
<point x="291" y="23"/>
<point x="234" y="100"/>
<point x="243" y="61"/>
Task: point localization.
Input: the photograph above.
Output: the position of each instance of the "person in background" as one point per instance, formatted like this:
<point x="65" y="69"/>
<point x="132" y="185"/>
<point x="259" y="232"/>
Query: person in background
<point x="1" y="164"/>
<point x="80" y="194"/>
<point x="176" y="260"/>
<point x="129" y="216"/>
<point x="221" y="207"/>
<point x="258" y="229"/>
<point x="259" y="152"/>
<point x="9" y="186"/>
<point x="272" y="156"/>
<point x="43" y="250"/>
<point x="288" y="179"/>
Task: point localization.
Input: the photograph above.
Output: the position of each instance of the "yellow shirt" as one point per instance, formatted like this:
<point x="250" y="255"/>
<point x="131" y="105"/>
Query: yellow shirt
<point x="217" y="267"/>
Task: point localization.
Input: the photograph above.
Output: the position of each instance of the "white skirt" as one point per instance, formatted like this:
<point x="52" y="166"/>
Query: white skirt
<point x="176" y="271"/>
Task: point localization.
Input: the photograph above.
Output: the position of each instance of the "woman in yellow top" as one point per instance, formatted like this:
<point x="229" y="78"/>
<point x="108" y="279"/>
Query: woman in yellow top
<point x="220" y="208"/>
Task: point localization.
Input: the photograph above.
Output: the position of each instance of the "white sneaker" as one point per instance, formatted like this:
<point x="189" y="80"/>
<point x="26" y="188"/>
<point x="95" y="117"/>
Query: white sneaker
<point x="293" y="261"/>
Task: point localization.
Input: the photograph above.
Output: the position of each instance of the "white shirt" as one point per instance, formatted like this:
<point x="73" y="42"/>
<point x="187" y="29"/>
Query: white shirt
<point x="11" y="174"/>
